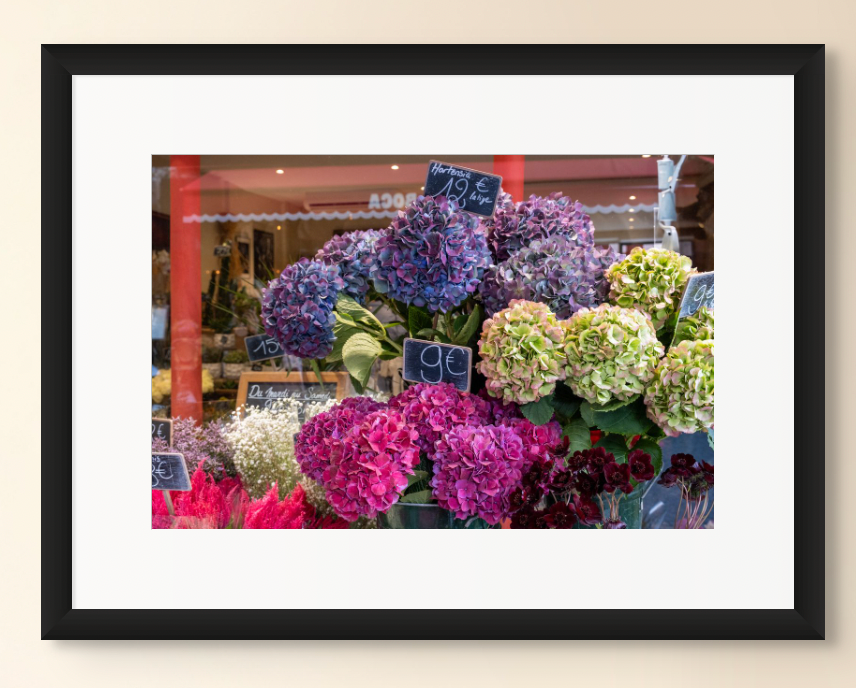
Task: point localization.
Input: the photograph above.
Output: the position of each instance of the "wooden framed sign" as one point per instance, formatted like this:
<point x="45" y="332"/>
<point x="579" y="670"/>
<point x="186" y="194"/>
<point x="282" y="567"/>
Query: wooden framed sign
<point x="263" y="390"/>
<point x="433" y="363"/>
<point x="473" y="191"/>
<point x="169" y="472"/>
<point x="261" y="347"/>
<point x="162" y="429"/>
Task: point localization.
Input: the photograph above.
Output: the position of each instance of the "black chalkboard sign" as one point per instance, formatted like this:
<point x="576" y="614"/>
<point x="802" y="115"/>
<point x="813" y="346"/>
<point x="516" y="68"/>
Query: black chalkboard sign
<point x="261" y="347"/>
<point x="169" y="472"/>
<point x="162" y="429"/>
<point x="264" y="390"/>
<point x="432" y="362"/>
<point x="473" y="191"/>
<point x="699" y="292"/>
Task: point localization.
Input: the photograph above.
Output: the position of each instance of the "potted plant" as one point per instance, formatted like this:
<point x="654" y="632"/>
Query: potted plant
<point x="234" y="363"/>
<point x="212" y="361"/>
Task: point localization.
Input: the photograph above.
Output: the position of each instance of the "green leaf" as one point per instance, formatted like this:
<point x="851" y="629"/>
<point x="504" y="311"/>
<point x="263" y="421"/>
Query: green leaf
<point x="416" y="477"/>
<point x="342" y="333"/>
<point x="655" y="432"/>
<point x="630" y="419"/>
<point x="565" y="401"/>
<point x="651" y="447"/>
<point x="459" y="322"/>
<point x="578" y="434"/>
<point x="423" y="497"/>
<point x="615" y="445"/>
<point x="418" y="319"/>
<point x="349" y="308"/>
<point x="470" y="327"/>
<point x="710" y="437"/>
<point x="359" y="354"/>
<point x="538" y="412"/>
<point x="612" y="405"/>
<point x="358" y="386"/>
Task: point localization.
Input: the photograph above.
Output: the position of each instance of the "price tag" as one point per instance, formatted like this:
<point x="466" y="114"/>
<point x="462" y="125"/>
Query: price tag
<point x="169" y="472"/>
<point x="473" y="191"/>
<point x="699" y="292"/>
<point x="261" y="347"/>
<point x="162" y="429"/>
<point x="434" y="363"/>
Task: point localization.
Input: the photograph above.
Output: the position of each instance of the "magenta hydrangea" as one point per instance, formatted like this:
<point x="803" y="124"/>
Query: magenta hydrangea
<point x="354" y="254"/>
<point x="319" y="441"/>
<point x="297" y="308"/>
<point x="477" y="469"/>
<point x="515" y="227"/>
<point x="540" y="442"/>
<point x="433" y="410"/>
<point x="371" y="473"/>
<point x="434" y="255"/>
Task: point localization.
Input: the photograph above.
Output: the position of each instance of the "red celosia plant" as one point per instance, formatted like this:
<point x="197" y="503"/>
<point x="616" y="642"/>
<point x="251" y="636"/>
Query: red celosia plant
<point x="206" y="505"/>
<point x="270" y="513"/>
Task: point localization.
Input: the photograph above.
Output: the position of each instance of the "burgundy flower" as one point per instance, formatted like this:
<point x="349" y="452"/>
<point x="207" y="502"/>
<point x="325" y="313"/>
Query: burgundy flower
<point x="587" y="511"/>
<point x="617" y="477"/>
<point x="561" y="516"/>
<point x="542" y="519"/>
<point x="707" y="472"/>
<point x="597" y="458"/>
<point x="640" y="465"/>
<point x="578" y="461"/>
<point x="517" y="500"/>
<point x="525" y="518"/>
<point x="615" y="524"/>
<point x="587" y="484"/>
<point x="669" y="478"/>
<point x="561" y="481"/>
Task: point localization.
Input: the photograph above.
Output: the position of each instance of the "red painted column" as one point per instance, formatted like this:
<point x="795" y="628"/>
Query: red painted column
<point x="510" y="168"/>
<point x="185" y="287"/>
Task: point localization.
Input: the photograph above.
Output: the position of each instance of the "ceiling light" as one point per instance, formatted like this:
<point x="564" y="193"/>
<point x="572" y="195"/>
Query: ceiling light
<point x="395" y="167"/>
<point x="631" y="219"/>
<point x="633" y="198"/>
<point x="280" y="171"/>
<point x="279" y="226"/>
<point x="422" y="188"/>
<point x="646" y="156"/>
<point x="632" y="210"/>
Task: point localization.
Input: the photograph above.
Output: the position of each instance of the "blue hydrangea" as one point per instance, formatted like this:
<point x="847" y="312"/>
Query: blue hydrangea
<point x="297" y="308"/>
<point x="434" y="255"/>
<point x="555" y="271"/>
<point x="354" y="254"/>
<point x="517" y="226"/>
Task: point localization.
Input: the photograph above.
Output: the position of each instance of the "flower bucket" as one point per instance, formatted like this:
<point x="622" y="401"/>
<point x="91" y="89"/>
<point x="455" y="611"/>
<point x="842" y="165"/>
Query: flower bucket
<point x="425" y="516"/>
<point x="629" y="509"/>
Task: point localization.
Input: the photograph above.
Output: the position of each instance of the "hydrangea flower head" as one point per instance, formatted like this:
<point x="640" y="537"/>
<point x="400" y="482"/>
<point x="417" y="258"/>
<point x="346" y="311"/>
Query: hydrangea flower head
<point x="611" y="353"/>
<point x="476" y="470"/>
<point x="652" y="281"/>
<point x="433" y="410"/>
<point x="371" y="473"/>
<point x="699" y="325"/>
<point x="555" y="271"/>
<point x="521" y="352"/>
<point x="354" y="254"/>
<point x="319" y="441"/>
<point x="434" y="255"/>
<point x="297" y="308"/>
<point x="517" y="226"/>
<point x="680" y="397"/>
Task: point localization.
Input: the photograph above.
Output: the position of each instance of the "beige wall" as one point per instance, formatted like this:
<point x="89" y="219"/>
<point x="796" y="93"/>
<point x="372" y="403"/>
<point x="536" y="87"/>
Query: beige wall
<point x="27" y="662"/>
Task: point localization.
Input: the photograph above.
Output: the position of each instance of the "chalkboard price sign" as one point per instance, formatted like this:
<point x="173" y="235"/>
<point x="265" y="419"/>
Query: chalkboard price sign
<point x="162" y="429"/>
<point x="261" y="347"/>
<point x="169" y="472"/>
<point x="699" y="292"/>
<point x="473" y="191"/>
<point x="264" y="390"/>
<point x="434" y="363"/>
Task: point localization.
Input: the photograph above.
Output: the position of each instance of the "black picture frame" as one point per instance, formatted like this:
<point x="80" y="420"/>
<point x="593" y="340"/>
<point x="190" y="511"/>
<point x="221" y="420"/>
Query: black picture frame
<point x="60" y="621"/>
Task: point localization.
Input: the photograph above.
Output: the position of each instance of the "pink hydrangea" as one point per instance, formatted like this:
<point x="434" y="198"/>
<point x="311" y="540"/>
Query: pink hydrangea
<point x="319" y="441"/>
<point x="539" y="441"/>
<point x="477" y="469"/>
<point x="370" y="473"/>
<point x="499" y="411"/>
<point x="433" y="410"/>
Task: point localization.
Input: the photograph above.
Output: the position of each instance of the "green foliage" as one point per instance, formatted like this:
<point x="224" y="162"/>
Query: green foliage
<point x="236" y="356"/>
<point x="578" y="434"/>
<point x="538" y="412"/>
<point x="468" y="327"/>
<point x="418" y="319"/>
<point x="352" y="314"/>
<point x="359" y="354"/>
<point x="710" y="437"/>
<point x="615" y="445"/>
<point x="628" y="419"/>
<point x="342" y="333"/>
<point x="565" y="401"/>
<point x="649" y="446"/>
<point x="421" y="497"/>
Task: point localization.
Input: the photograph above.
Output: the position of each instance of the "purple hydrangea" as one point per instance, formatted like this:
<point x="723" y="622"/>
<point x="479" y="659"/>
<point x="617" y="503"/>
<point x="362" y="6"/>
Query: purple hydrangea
<point x="320" y="439"/>
<point x="555" y="271"/>
<point x="515" y="227"/>
<point x="433" y="410"/>
<point x="354" y="254"/>
<point x="434" y="255"/>
<point x="297" y="308"/>
<point x="477" y="469"/>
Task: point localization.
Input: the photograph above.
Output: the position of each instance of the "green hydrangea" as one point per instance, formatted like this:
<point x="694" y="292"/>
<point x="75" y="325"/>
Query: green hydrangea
<point x="696" y="326"/>
<point x="611" y="353"/>
<point x="650" y="280"/>
<point x="521" y="352"/>
<point x="680" y="399"/>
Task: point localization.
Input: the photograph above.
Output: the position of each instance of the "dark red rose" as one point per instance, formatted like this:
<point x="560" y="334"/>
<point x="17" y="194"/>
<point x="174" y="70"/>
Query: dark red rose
<point x="617" y="477"/>
<point x="561" y="516"/>
<point x="640" y="465"/>
<point x="524" y="518"/>
<point x="587" y="511"/>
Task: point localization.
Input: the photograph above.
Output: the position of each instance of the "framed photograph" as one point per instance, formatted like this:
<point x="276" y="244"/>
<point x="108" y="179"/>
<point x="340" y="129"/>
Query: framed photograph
<point x="557" y="426"/>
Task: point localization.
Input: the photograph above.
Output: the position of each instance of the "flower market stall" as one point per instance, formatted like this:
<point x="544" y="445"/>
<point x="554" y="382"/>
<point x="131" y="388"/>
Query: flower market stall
<point x="582" y="363"/>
